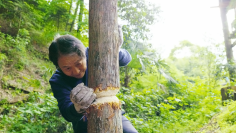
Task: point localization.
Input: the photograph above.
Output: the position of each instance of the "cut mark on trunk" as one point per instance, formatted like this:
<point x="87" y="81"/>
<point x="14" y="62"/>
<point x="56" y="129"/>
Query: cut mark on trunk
<point x="109" y="91"/>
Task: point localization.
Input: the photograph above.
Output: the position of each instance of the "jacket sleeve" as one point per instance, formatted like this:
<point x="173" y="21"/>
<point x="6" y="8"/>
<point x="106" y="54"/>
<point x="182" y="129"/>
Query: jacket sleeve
<point x="66" y="107"/>
<point x="124" y="57"/>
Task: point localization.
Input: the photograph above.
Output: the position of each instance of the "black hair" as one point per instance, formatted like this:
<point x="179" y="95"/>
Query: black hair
<point x="65" y="45"/>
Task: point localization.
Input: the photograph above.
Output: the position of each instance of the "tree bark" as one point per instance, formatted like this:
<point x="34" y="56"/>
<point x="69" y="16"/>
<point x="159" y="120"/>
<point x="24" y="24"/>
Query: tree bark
<point x="19" y="23"/>
<point x="104" y="115"/>
<point x="81" y="12"/>
<point x="75" y="15"/>
<point x="228" y="46"/>
<point x="68" y="18"/>
<point x="58" y="22"/>
<point x="127" y="77"/>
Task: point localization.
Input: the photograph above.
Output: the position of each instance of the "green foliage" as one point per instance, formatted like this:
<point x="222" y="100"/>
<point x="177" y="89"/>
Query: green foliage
<point x="47" y="73"/>
<point x="19" y="65"/>
<point x="3" y="58"/>
<point x="226" y="120"/>
<point x="139" y="15"/>
<point x="43" y="19"/>
<point x="223" y="122"/>
<point x="39" y="114"/>
<point x="153" y="111"/>
<point x="202" y="61"/>
<point x="15" y="48"/>
<point x="33" y="82"/>
<point x="154" y="104"/>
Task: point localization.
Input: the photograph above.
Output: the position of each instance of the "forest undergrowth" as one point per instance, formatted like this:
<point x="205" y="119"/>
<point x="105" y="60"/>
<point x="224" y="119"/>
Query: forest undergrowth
<point x="183" y="106"/>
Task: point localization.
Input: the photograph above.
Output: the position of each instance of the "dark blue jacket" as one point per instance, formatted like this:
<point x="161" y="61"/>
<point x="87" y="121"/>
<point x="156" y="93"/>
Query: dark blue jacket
<point x="62" y="85"/>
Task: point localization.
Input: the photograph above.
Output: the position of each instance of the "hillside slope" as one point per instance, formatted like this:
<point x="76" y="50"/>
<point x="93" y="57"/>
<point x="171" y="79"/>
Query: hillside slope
<point x="224" y="122"/>
<point x="24" y="67"/>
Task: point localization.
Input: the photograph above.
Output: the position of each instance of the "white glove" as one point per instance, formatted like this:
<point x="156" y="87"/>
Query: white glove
<point x="82" y="97"/>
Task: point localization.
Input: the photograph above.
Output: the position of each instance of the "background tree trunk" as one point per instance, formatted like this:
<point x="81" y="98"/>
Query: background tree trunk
<point x="228" y="46"/>
<point x="127" y="77"/>
<point x="81" y="12"/>
<point x="75" y="15"/>
<point x="104" y="115"/>
<point x="58" y="22"/>
<point x="68" y="18"/>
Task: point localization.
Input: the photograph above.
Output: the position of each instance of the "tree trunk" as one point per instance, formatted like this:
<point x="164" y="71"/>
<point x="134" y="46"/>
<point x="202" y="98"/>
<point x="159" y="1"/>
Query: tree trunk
<point x="228" y="46"/>
<point x="104" y="115"/>
<point x="127" y="77"/>
<point x="81" y="12"/>
<point x="75" y="15"/>
<point x="68" y="18"/>
<point x="19" y="23"/>
<point x="58" y="22"/>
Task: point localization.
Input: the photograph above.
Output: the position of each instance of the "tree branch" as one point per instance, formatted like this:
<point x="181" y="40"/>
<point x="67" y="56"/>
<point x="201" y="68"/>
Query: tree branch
<point x="232" y="45"/>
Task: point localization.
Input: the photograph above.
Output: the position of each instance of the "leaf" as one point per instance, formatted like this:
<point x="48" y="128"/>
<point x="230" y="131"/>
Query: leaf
<point x="141" y="62"/>
<point x="177" y="100"/>
<point x="232" y="112"/>
<point x="162" y="87"/>
<point x="29" y="111"/>
<point x="169" y="78"/>
<point x="37" y="112"/>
